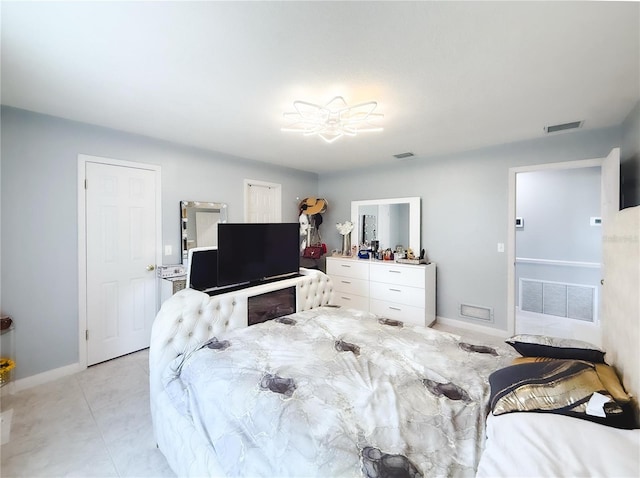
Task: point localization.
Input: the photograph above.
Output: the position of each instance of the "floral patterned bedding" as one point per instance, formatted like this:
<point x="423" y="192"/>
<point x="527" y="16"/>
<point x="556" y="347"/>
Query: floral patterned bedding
<point x="338" y="392"/>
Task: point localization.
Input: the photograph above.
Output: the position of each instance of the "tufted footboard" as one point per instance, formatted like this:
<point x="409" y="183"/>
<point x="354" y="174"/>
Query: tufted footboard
<point x="190" y="317"/>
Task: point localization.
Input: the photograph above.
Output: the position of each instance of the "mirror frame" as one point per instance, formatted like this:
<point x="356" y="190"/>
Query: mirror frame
<point x="185" y="206"/>
<point x="415" y="225"/>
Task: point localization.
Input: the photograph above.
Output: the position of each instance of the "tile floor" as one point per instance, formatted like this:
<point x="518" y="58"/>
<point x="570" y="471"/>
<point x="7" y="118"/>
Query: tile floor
<point x="95" y="423"/>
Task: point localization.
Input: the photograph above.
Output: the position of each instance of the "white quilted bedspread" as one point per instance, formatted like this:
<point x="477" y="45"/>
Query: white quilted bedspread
<point x="335" y="392"/>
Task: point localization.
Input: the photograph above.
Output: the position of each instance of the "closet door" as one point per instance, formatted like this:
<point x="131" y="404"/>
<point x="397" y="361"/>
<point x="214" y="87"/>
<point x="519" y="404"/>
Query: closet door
<point x="262" y="202"/>
<point x="121" y="237"/>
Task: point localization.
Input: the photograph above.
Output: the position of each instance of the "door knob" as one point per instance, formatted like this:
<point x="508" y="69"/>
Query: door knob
<point x="151" y="267"/>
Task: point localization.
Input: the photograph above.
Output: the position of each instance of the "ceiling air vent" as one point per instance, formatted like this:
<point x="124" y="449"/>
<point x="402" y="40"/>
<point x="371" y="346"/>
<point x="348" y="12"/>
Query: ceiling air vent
<point x="563" y="127"/>
<point x="408" y="154"/>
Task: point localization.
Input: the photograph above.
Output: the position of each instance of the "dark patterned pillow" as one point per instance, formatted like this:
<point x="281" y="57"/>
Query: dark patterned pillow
<point x="559" y="386"/>
<point x="554" y="347"/>
<point x="606" y="374"/>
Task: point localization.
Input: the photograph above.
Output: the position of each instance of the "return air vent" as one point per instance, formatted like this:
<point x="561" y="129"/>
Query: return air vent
<point x="574" y="301"/>
<point x="408" y="154"/>
<point x="476" y="312"/>
<point x="563" y="127"/>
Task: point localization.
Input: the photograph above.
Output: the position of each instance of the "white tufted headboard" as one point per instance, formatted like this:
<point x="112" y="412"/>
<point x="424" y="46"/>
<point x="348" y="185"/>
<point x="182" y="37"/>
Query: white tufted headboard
<point x="190" y="317"/>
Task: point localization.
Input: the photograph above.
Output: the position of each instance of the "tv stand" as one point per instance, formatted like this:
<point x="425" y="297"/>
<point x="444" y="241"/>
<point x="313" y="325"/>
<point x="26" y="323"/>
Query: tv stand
<point x="311" y="288"/>
<point x="224" y="290"/>
<point x="245" y="285"/>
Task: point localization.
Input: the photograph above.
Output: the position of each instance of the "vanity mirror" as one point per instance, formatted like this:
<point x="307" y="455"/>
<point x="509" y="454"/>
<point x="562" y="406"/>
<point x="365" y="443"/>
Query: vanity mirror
<point x="199" y="224"/>
<point x="391" y="222"/>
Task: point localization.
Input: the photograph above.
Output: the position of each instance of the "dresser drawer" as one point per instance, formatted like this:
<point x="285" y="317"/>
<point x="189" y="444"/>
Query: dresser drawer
<point x="348" y="268"/>
<point x="400" y="294"/>
<point x="408" y="314"/>
<point x="351" y="301"/>
<point x="398" y="274"/>
<point x="351" y="286"/>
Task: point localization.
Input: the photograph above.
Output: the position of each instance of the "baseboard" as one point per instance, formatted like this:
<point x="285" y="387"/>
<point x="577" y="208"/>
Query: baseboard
<point x="483" y="329"/>
<point x="41" y="378"/>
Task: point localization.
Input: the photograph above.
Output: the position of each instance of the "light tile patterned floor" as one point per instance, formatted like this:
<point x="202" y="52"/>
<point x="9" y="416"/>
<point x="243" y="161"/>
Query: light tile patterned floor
<point x="96" y="423"/>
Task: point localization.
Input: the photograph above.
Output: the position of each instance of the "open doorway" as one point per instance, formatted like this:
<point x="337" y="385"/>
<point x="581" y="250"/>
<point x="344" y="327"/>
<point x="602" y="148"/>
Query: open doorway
<point x="557" y="217"/>
<point x="558" y="252"/>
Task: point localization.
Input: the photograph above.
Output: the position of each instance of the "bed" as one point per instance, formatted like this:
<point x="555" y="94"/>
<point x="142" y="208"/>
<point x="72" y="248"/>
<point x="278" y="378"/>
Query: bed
<point x="326" y="391"/>
<point x="559" y="410"/>
<point x="544" y="445"/>
<point x="556" y="437"/>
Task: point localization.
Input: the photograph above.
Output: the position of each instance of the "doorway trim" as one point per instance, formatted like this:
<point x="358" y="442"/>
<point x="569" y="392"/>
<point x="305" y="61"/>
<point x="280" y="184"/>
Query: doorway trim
<point x="83" y="159"/>
<point x="511" y="224"/>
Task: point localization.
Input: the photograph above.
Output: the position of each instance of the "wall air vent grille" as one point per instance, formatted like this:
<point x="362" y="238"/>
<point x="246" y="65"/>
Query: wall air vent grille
<point x="563" y="127"/>
<point x="408" y="154"/>
<point x="574" y="301"/>
<point x="476" y="312"/>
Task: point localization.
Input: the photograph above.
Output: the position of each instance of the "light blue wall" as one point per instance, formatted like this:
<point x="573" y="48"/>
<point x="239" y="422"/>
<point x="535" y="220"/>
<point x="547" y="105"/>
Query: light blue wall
<point x="464" y="213"/>
<point x="556" y="207"/>
<point x="464" y="209"/>
<point x="39" y="217"/>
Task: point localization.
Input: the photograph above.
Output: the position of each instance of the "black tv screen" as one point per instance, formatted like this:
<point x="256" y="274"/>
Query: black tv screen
<point x="254" y="252"/>
<point x="203" y="268"/>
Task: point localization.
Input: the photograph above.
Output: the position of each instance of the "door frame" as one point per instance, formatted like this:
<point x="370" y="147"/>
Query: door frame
<point x="83" y="159"/>
<point x="511" y="224"/>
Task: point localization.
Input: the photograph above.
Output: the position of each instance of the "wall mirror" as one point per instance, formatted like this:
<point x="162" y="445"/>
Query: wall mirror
<point x="393" y="222"/>
<point x="199" y="224"/>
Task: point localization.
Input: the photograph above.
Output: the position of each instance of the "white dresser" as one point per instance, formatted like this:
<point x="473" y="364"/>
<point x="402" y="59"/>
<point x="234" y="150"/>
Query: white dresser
<point x="405" y="292"/>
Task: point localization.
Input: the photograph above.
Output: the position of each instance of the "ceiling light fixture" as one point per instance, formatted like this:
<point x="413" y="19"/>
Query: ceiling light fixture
<point x="333" y="120"/>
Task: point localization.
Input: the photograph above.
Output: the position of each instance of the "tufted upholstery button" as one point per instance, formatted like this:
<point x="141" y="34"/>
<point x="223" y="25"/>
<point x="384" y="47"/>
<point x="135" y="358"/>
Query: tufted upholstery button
<point x="199" y="311"/>
<point x="180" y="319"/>
<point x="233" y="303"/>
<point x="190" y="334"/>
<point x="210" y="327"/>
<point x="218" y="307"/>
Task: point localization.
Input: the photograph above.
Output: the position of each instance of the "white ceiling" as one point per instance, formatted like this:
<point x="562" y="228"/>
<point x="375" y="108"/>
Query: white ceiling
<point x="448" y="76"/>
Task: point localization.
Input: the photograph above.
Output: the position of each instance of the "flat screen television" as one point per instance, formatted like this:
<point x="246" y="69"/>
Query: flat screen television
<point x="255" y="252"/>
<point x="202" y="271"/>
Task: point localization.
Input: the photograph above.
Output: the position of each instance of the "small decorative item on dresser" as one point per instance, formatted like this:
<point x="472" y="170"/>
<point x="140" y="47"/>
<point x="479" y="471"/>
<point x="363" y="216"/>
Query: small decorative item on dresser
<point x="345" y="228"/>
<point x="5" y="322"/>
<point x="6" y="366"/>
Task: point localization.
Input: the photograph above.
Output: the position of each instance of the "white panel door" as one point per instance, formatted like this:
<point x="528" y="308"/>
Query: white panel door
<point x="121" y="251"/>
<point x="262" y="202"/>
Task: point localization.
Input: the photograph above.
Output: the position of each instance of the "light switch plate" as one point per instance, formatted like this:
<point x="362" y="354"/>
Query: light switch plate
<point x="500" y="246"/>
<point x="168" y="250"/>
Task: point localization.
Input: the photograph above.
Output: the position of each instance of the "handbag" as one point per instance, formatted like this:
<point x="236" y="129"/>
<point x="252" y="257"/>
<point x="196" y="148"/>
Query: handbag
<point x="313" y="252"/>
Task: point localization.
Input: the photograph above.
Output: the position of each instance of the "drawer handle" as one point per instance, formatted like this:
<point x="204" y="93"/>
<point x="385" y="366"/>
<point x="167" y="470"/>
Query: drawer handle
<point x="395" y="290"/>
<point x="346" y="298"/>
<point x="344" y="265"/>
<point x="395" y="272"/>
<point x="395" y="308"/>
<point x="345" y="282"/>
